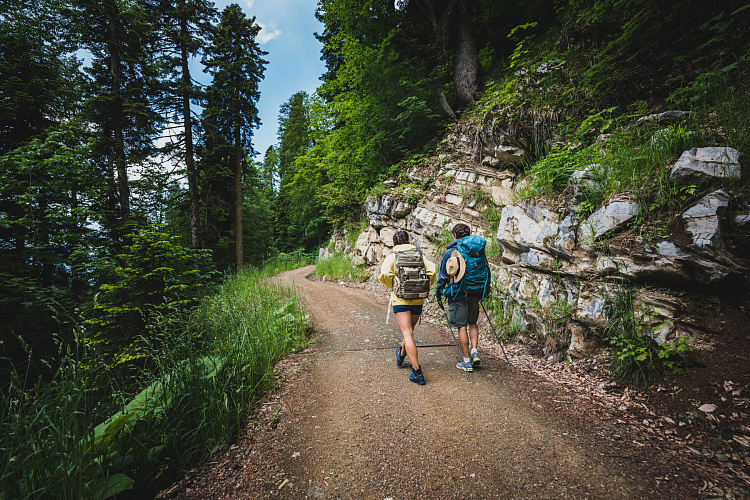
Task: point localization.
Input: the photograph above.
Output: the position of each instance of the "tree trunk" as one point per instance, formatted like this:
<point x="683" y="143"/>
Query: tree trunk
<point x="187" y="84"/>
<point x="239" y="251"/>
<point x="117" y="112"/>
<point x="465" y="57"/>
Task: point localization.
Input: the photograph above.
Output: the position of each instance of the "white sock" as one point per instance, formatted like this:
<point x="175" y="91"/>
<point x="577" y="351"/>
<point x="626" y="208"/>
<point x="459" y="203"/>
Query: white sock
<point x="474" y="351"/>
<point x="467" y="360"/>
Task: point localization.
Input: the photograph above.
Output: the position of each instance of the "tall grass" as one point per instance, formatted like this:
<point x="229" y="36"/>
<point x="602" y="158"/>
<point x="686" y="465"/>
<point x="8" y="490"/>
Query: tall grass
<point x="287" y="261"/>
<point x="77" y="436"/>
<point x="338" y="267"/>
<point x="632" y="159"/>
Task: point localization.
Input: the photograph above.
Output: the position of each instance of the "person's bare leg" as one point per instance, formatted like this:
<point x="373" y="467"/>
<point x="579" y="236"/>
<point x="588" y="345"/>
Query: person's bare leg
<point x="474" y="335"/>
<point x="406" y="323"/>
<point x="463" y="341"/>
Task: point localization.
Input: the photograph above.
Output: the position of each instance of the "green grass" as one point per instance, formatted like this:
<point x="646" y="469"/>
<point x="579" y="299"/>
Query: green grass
<point x="502" y="310"/>
<point x="340" y="267"/>
<point x="287" y="261"/>
<point x="633" y="159"/>
<point x="80" y="436"/>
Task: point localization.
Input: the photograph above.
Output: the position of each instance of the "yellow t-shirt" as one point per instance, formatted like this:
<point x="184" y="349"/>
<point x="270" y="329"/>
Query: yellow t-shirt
<point x="388" y="270"/>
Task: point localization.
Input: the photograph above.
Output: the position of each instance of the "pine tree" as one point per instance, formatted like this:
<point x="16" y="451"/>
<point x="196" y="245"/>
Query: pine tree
<point x="185" y="28"/>
<point x="234" y="60"/>
<point x="120" y="36"/>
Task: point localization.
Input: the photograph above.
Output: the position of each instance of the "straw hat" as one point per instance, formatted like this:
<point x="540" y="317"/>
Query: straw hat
<point x="455" y="267"/>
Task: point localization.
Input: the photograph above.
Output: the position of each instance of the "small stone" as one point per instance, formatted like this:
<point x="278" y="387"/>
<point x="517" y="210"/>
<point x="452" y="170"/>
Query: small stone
<point x="707" y="408"/>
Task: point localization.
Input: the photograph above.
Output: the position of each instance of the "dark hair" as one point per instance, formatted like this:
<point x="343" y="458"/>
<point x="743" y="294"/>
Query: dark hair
<point x="400" y="238"/>
<point x="460" y="230"/>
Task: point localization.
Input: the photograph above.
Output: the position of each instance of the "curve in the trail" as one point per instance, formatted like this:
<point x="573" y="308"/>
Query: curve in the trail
<point x="357" y="428"/>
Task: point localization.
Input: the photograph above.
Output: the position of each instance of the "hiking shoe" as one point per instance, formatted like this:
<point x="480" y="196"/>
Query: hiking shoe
<point x="475" y="359"/>
<point x="399" y="358"/>
<point x="417" y="378"/>
<point x="467" y="367"/>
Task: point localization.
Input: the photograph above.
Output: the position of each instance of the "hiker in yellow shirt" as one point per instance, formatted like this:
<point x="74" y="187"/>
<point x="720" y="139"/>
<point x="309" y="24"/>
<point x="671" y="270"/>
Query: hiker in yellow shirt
<point x="410" y="276"/>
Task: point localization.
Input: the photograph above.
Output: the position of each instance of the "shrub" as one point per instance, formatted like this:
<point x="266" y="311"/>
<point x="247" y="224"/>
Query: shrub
<point x="153" y="274"/>
<point x="636" y="358"/>
<point x="79" y="436"/>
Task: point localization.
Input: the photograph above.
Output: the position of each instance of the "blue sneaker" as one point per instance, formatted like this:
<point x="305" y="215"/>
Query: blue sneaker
<point x="417" y="378"/>
<point x="474" y="359"/>
<point x="399" y="358"/>
<point x="467" y="367"/>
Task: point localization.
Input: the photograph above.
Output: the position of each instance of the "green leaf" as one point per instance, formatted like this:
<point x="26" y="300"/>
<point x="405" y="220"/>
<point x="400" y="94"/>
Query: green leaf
<point x="110" y="486"/>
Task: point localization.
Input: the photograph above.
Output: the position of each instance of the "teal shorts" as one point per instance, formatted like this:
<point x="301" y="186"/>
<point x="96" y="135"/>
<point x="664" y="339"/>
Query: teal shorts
<point x="464" y="312"/>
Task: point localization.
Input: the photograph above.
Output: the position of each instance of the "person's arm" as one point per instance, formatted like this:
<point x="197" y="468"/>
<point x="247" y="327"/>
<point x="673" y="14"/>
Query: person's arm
<point x="386" y="271"/>
<point x="431" y="270"/>
<point x="442" y="279"/>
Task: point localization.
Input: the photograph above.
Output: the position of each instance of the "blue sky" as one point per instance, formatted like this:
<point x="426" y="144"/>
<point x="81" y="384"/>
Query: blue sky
<point x="293" y="57"/>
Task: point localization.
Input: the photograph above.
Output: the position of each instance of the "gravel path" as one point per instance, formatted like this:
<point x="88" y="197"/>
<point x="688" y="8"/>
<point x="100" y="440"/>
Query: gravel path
<point x="349" y="424"/>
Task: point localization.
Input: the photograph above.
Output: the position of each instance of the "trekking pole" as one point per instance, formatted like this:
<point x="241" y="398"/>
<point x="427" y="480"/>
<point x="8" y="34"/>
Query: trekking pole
<point x="496" y="335"/>
<point x="460" y="354"/>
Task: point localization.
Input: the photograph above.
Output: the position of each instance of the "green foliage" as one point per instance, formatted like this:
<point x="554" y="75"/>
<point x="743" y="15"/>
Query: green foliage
<point x="444" y="238"/>
<point x="556" y="315"/>
<point x="599" y="123"/>
<point x="286" y="262"/>
<point x="551" y="174"/>
<point x="74" y="436"/>
<point x="505" y="313"/>
<point x="338" y="267"/>
<point x="154" y="274"/>
<point x="636" y="358"/>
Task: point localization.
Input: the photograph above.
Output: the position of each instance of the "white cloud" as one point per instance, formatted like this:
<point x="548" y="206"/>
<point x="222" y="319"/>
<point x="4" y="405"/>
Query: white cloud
<point x="267" y="33"/>
<point x="249" y="3"/>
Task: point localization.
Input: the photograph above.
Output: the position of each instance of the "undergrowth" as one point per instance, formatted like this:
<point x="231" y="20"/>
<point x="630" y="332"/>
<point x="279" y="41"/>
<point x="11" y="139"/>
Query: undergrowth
<point x="338" y="267"/>
<point x="636" y="358"/>
<point x="80" y="436"/>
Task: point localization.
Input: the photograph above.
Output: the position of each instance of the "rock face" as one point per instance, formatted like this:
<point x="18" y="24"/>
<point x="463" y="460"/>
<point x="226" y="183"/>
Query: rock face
<point x="703" y="220"/>
<point x="613" y="216"/>
<point x="560" y="275"/>
<point x="702" y="165"/>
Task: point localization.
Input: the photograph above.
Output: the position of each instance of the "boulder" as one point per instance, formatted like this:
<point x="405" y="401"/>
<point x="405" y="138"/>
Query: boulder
<point x="590" y="309"/>
<point x="665" y="117"/>
<point x="582" y="343"/>
<point x="529" y="225"/>
<point x="368" y="236"/>
<point x="324" y="254"/>
<point x="742" y="220"/>
<point x="538" y="260"/>
<point x="401" y="209"/>
<point x="491" y="161"/>
<point x="386" y="236"/>
<point x="611" y="217"/>
<point x="702" y="165"/>
<point x="703" y="220"/>
<point x="651" y="268"/>
<point x="510" y="154"/>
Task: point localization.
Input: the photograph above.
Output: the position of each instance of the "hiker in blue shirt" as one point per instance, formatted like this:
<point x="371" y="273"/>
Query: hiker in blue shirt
<point x="464" y="279"/>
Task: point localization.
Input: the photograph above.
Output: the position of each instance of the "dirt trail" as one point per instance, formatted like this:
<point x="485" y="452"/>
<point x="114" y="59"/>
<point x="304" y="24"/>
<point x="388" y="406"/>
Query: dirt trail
<point x="349" y="424"/>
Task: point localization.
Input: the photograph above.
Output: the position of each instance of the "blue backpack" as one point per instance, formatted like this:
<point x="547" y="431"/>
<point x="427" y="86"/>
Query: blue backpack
<point x="476" y="280"/>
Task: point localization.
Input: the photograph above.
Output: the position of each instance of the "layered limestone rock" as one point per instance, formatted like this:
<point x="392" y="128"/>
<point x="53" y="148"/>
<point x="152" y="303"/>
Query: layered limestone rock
<point x="561" y="275"/>
<point x="453" y="194"/>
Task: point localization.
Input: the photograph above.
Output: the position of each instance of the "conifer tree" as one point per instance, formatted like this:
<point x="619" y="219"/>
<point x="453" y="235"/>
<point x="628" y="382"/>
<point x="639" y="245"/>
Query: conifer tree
<point x="185" y="27"/>
<point x="235" y="61"/>
<point x="120" y="37"/>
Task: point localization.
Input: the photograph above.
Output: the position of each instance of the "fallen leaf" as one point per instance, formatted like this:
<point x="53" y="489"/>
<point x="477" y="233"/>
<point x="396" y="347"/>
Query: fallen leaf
<point x="668" y="420"/>
<point x="707" y="408"/>
<point x="743" y="440"/>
